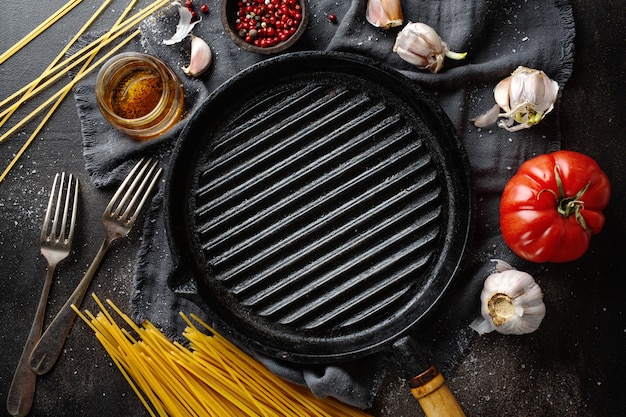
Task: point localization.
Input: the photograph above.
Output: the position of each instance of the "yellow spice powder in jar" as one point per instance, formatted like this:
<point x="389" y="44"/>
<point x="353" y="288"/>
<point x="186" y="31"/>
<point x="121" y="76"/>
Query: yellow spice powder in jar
<point x="137" y="94"/>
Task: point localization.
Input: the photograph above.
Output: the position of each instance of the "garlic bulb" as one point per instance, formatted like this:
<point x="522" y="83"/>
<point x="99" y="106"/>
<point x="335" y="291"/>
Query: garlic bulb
<point x="201" y="57"/>
<point x="384" y="14"/>
<point x="511" y="302"/>
<point x="526" y="96"/>
<point x="420" y="45"/>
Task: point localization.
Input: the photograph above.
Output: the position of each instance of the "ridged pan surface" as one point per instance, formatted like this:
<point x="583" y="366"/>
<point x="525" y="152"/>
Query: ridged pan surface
<point x="323" y="203"/>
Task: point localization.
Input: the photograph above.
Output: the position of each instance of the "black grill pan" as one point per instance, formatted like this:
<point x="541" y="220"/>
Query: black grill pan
<point x="323" y="204"/>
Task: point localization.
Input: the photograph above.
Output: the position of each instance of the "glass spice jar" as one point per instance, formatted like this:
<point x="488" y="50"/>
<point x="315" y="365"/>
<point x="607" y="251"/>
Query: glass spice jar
<point x="139" y="95"/>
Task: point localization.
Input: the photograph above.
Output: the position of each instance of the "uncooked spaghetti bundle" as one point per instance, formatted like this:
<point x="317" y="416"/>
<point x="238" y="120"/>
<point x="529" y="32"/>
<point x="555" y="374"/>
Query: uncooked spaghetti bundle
<point x="209" y="377"/>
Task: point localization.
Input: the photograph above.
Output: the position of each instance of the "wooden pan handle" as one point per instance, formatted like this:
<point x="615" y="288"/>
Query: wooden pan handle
<point x="433" y="395"/>
<point x="428" y="386"/>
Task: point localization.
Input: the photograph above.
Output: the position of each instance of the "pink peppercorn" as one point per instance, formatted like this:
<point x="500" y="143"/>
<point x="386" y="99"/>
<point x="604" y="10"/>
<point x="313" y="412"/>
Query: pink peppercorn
<point x="273" y="21"/>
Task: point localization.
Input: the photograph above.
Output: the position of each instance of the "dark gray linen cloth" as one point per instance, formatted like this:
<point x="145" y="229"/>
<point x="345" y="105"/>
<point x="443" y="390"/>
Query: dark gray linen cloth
<point x="498" y="35"/>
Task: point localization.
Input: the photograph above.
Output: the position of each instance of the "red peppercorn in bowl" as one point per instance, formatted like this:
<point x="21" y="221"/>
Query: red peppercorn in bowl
<point x="265" y="26"/>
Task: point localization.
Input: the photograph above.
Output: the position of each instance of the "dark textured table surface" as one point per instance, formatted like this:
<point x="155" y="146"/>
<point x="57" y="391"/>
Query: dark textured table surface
<point x="572" y="366"/>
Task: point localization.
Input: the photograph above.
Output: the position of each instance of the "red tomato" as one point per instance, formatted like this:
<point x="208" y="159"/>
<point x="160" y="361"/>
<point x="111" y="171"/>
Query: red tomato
<point x="552" y="206"/>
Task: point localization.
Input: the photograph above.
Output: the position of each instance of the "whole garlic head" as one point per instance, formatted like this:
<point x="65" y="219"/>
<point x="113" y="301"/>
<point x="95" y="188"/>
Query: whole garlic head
<point x="420" y="45"/>
<point x="526" y="96"/>
<point x="511" y="302"/>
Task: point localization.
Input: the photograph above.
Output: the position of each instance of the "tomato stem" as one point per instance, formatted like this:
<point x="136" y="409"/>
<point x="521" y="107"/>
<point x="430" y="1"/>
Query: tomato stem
<point x="567" y="206"/>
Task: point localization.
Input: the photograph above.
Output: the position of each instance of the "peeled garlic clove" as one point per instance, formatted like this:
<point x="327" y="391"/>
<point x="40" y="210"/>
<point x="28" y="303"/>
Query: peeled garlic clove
<point x="526" y="97"/>
<point x="384" y="13"/>
<point x="420" y="45"/>
<point x="511" y="303"/>
<point x="201" y="57"/>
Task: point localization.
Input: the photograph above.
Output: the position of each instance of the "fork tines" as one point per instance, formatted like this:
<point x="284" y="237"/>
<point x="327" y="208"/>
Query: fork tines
<point x="134" y="191"/>
<point x="63" y="205"/>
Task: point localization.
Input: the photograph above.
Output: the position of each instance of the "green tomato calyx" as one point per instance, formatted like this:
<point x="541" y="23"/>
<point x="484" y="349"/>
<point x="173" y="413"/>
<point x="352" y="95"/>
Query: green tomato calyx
<point x="567" y="206"/>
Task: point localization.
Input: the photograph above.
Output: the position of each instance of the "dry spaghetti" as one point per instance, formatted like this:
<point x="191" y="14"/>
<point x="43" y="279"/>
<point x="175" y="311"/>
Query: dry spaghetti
<point x="56" y="69"/>
<point x="210" y="377"/>
<point x="39" y="29"/>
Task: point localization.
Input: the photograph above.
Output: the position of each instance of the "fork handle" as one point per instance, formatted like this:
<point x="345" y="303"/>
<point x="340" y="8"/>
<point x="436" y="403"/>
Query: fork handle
<point x="22" y="391"/>
<point x="48" y="349"/>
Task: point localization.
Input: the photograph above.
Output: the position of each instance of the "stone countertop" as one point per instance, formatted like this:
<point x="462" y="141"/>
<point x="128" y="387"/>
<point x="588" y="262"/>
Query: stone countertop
<point x="572" y="366"/>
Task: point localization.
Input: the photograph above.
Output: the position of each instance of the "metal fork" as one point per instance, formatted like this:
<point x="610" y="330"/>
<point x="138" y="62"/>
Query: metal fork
<point x="118" y="219"/>
<point x="55" y="243"/>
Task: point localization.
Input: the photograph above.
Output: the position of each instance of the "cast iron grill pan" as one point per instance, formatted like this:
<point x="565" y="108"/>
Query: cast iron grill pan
<point x="323" y="205"/>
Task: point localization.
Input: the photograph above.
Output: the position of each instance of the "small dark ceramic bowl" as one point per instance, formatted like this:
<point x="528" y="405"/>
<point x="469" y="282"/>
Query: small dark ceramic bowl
<point x="229" y="17"/>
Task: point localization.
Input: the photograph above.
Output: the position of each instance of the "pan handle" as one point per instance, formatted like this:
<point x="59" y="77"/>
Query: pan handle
<point x="433" y="394"/>
<point x="427" y="386"/>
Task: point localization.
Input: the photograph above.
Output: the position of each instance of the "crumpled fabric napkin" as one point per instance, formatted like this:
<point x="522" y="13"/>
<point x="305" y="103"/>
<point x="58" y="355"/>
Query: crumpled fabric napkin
<point x="498" y="36"/>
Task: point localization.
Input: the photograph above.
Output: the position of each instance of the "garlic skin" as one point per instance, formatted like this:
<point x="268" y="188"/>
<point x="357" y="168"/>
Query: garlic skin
<point x="384" y="14"/>
<point x="526" y="97"/>
<point x="511" y="302"/>
<point x="184" y="25"/>
<point x="420" y="45"/>
<point x="201" y="57"/>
